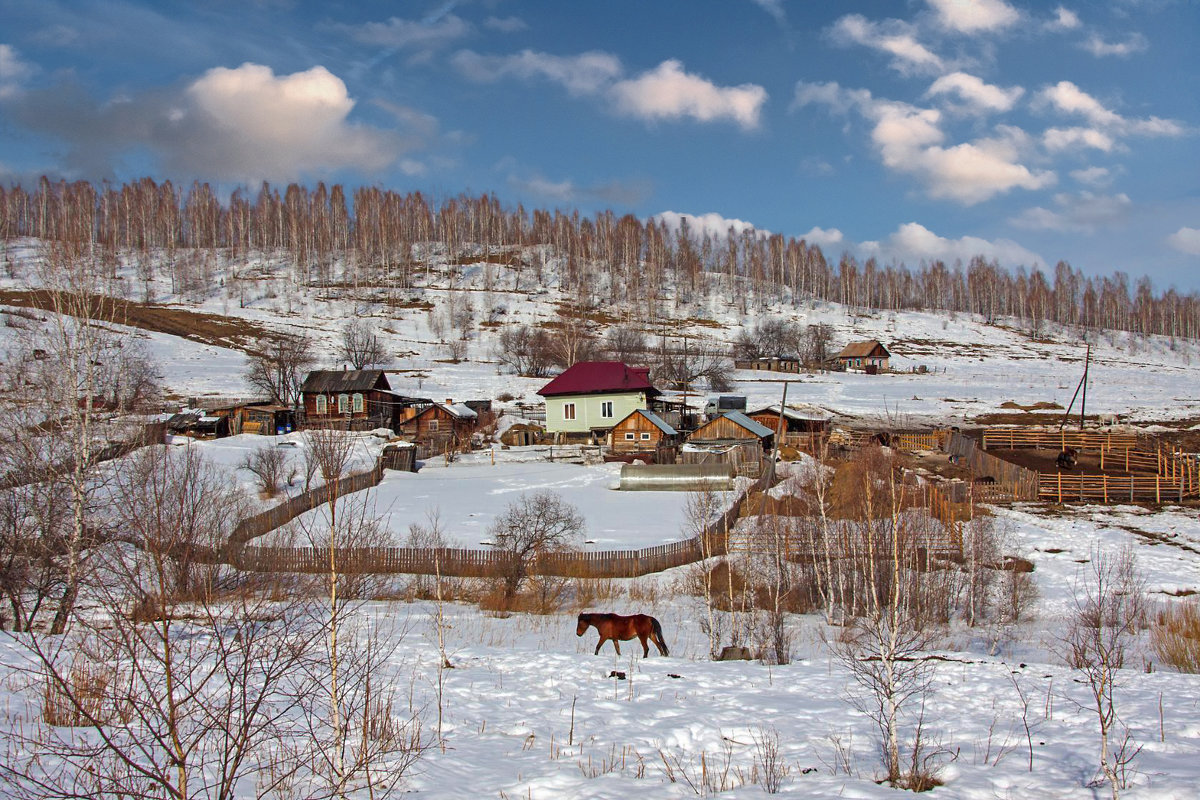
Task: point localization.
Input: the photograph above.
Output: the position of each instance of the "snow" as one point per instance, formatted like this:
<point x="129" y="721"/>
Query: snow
<point x="531" y="713"/>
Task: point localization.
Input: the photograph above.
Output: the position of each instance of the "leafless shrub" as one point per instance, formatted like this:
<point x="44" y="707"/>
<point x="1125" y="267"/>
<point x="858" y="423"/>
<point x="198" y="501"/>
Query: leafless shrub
<point x="268" y="465"/>
<point x="525" y="350"/>
<point x="771" y="770"/>
<point x="279" y="369"/>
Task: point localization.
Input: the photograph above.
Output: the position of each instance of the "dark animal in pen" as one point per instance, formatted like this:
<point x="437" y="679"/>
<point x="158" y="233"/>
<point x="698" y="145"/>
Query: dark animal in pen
<point x="1067" y="459"/>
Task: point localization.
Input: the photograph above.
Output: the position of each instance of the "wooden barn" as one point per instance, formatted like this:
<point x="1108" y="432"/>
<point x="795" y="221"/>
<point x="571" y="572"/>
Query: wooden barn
<point x="441" y="428"/>
<point x="733" y="427"/>
<point x="642" y="431"/>
<point x="870" y="356"/>
<point x="360" y="399"/>
<point x="795" y="420"/>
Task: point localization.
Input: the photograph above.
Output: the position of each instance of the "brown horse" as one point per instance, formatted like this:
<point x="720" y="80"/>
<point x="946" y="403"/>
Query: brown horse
<point x="617" y="627"/>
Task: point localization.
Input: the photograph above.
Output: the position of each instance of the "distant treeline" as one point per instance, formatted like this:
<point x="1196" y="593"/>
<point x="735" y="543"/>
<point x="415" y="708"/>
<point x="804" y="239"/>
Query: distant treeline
<point x="370" y="236"/>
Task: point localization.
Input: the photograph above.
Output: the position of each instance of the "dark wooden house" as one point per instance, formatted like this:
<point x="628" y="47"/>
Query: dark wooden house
<point x="870" y="356"/>
<point x="642" y="431"/>
<point x="359" y="399"/>
<point x="441" y="428"/>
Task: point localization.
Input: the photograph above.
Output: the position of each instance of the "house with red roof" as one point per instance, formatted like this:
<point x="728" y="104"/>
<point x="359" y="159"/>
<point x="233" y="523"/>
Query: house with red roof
<point x="588" y="398"/>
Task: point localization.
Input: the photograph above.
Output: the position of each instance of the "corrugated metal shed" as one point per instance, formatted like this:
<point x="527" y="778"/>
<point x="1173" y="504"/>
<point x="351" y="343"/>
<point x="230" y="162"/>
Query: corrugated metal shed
<point x="676" y="477"/>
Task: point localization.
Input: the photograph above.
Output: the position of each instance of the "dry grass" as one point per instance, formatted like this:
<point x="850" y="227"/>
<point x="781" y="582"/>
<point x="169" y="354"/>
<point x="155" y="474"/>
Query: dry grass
<point x="81" y="698"/>
<point x="1175" y="637"/>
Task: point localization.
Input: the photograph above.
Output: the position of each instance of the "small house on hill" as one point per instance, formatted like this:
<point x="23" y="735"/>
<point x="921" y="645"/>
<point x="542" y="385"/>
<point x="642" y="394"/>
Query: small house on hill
<point x="642" y="431"/>
<point x="870" y="356"/>
<point x="588" y="398"/>
<point x="262" y="417"/>
<point x="359" y="398"/>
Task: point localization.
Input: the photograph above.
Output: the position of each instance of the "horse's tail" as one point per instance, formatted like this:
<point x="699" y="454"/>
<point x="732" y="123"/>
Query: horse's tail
<point x="658" y="635"/>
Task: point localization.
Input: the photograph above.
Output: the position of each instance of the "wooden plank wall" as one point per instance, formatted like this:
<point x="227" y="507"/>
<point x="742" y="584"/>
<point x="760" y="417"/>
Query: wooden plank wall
<point x="1019" y="482"/>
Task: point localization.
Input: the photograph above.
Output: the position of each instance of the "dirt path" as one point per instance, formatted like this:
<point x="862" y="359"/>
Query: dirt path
<point x="196" y="326"/>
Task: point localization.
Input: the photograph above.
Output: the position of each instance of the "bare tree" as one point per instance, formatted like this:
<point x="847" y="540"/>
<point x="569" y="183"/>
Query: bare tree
<point x="626" y="344"/>
<point x="570" y="341"/>
<point x="1110" y="610"/>
<point x="816" y="344"/>
<point x="690" y="361"/>
<point x="360" y="346"/>
<point x="183" y="693"/>
<point x="525" y="350"/>
<point x="537" y="522"/>
<point x="279" y="369"/>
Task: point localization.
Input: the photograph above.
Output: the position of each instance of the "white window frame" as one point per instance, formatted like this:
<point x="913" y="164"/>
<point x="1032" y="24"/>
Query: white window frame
<point x="606" y="409"/>
<point x="630" y="436"/>
<point x="569" y="411"/>
<point x="343" y="403"/>
<point x="357" y="403"/>
<point x="645" y="436"/>
<point x="322" y="405"/>
<point x="432" y="426"/>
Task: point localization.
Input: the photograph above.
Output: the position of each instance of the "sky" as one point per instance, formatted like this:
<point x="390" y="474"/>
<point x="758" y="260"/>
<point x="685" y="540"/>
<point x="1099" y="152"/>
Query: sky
<point x="909" y="131"/>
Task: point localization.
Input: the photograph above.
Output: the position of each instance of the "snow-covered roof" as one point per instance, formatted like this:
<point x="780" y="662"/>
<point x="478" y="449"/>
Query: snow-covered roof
<point x="805" y="413"/>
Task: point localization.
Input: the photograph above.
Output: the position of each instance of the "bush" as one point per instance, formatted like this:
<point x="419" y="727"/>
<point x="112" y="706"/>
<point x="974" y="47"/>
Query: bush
<point x="1175" y="637"/>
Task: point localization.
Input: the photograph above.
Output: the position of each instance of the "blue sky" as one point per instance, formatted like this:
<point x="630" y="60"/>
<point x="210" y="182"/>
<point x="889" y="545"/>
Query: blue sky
<point x="1028" y="132"/>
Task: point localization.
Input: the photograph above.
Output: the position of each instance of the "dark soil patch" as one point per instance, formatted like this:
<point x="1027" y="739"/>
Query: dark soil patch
<point x="1044" y="461"/>
<point x="195" y="326"/>
<point x="1041" y="405"/>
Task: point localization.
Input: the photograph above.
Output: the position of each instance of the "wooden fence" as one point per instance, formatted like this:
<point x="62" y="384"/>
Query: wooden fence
<point x="145" y="434"/>
<point x="465" y="563"/>
<point x="920" y="440"/>
<point x="1067" y="488"/>
<point x="1083" y="441"/>
<point x="1012" y="482"/>
<point x="280" y="515"/>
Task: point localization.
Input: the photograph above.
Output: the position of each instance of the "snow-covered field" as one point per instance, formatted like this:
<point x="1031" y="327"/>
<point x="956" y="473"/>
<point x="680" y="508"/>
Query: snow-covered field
<point x="530" y="712"/>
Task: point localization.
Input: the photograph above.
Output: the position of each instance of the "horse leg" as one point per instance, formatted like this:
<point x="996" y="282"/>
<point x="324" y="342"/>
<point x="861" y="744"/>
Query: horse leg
<point x="617" y="645"/>
<point x="602" y="640"/>
<point x="645" y="647"/>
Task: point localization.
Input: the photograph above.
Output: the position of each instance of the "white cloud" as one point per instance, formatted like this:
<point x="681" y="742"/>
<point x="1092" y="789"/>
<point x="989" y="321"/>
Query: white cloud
<point x="975" y="94"/>
<point x="1059" y="139"/>
<point x="1083" y="212"/>
<point x="584" y="74"/>
<point x="913" y="242"/>
<point x="1093" y="176"/>
<point x="827" y="238"/>
<point x="1070" y="99"/>
<point x="974" y="16"/>
<point x="505" y="24"/>
<point x="1064" y="20"/>
<point x="774" y="8"/>
<point x="1095" y="45"/>
<point x="13" y="72"/>
<point x="248" y="124"/>
<point x="711" y="223"/>
<point x="894" y="37"/>
<point x="909" y="139"/>
<point x="398" y="32"/>
<point x="1186" y="240"/>
<point x="667" y="92"/>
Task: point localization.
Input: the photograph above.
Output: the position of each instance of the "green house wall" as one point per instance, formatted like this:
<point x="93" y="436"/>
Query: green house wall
<point x="587" y="410"/>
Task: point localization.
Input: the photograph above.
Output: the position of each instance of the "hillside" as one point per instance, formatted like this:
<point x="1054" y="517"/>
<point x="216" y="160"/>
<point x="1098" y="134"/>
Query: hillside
<point x="974" y="370"/>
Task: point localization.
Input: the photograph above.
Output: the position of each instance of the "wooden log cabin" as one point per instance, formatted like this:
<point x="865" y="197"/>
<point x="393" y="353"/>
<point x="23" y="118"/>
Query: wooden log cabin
<point x="441" y="428"/>
<point x="733" y="427"/>
<point x="641" y="431"/>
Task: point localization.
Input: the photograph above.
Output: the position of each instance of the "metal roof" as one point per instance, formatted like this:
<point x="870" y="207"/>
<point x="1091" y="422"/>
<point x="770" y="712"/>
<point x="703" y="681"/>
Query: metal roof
<point x="759" y="430"/>
<point x="353" y="380"/>
<point x="597" y="377"/>
<point x="862" y="349"/>
<point x="811" y="414"/>
<point x="654" y="420"/>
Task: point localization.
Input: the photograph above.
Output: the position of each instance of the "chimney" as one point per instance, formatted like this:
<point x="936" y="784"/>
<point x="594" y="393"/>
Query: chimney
<point x="449" y="401"/>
